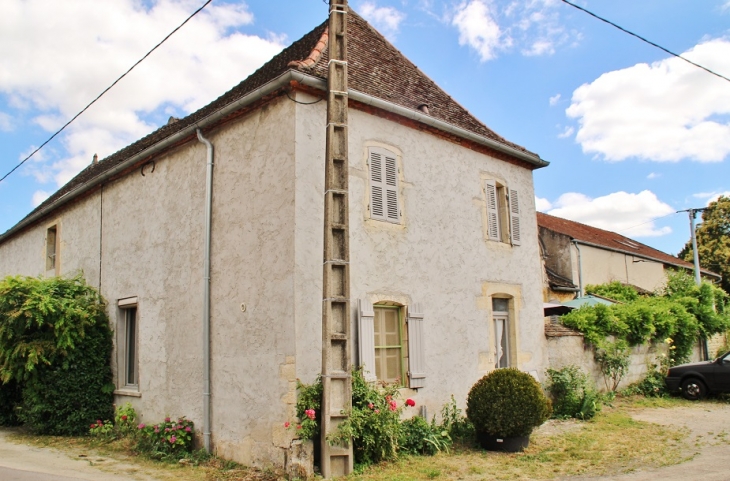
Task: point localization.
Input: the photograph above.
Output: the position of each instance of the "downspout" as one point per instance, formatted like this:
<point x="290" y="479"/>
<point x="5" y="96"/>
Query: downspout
<point x="580" y="270"/>
<point x="206" y="291"/>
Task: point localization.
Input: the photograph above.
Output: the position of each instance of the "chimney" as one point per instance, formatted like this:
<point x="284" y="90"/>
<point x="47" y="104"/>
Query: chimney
<point x="424" y="108"/>
<point x="95" y="160"/>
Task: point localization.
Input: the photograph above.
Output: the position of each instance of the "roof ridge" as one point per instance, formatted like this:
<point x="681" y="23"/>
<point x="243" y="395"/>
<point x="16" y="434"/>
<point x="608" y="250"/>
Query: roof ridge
<point x="315" y="54"/>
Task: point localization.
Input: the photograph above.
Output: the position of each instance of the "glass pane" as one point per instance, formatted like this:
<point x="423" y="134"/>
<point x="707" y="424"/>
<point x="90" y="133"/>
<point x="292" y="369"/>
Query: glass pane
<point x="392" y="327"/>
<point x="499" y="304"/>
<point x="392" y="362"/>
<point x="131" y="359"/>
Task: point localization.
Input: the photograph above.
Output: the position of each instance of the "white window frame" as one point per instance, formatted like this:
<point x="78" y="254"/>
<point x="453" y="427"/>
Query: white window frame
<point x="128" y="334"/>
<point x="384" y="201"/>
<point x="502" y="217"/>
<point x="502" y="340"/>
<point x="52" y="249"/>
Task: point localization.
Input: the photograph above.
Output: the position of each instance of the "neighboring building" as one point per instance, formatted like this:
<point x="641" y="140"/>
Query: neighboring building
<point x="576" y="255"/>
<point x="445" y="263"/>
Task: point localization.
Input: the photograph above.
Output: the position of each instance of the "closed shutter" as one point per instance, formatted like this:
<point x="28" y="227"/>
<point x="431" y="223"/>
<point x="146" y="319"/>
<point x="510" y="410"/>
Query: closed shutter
<point x="416" y="350"/>
<point x="384" y="201"/>
<point x="366" y="339"/>
<point x="490" y="189"/>
<point x="514" y="218"/>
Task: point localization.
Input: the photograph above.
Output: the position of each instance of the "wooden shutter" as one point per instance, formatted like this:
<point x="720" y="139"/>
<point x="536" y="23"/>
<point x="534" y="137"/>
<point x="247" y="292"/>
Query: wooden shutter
<point x="384" y="201"/>
<point x="416" y="351"/>
<point x="366" y="339"/>
<point x="514" y="218"/>
<point x="490" y="189"/>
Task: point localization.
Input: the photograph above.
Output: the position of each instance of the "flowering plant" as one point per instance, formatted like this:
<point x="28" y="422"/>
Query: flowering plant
<point x="123" y="425"/>
<point x="168" y="439"/>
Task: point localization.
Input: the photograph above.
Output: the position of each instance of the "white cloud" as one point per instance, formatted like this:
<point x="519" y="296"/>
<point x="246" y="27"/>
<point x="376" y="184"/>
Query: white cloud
<point x="653" y="175"/>
<point x="533" y="26"/>
<point x="567" y="132"/>
<point x="39" y="196"/>
<point x="386" y="19"/>
<point x="666" y="111"/>
<point x="629" y="214"/>
<point x="94" y="45"/>
<point x="554" y="99"/>
<point x="542" y="205"/>
<point x="6" y="122"/>
<point x="726" y="6"/>
<point x="479" y="29"/>
<point x="710" y="196"/>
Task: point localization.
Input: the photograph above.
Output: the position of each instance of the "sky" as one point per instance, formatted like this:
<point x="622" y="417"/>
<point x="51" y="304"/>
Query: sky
<point x="632" y="134"/>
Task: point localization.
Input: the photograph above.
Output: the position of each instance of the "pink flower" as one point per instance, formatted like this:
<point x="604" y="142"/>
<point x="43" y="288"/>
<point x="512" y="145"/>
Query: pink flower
<point x="299" y="426"/>
<point x="392" y="405"/>
<point x="286" y="425"/>
<point x="310" y="413"/>
<point x="141" y="426"/>
<point x="377" y="411"/>
<point x="157" y="429"/>
<point x="173" y="439"/>
<point x="167" y="420"/>
<point x="388" y="398"/>
<point x="93" y="426"/>
<point x="187" y="429"/>
<point x="98" y="421"/>
<point x="371" y="405"/>
<point x="410" y="402"/>
<point x="167" y="430"/>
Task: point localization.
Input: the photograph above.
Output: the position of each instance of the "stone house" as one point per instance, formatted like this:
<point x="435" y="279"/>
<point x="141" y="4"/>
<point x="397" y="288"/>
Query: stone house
<point x="443" y="246"/>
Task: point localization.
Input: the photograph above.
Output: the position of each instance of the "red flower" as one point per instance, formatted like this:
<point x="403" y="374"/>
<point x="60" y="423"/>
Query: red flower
<point x="124" y="417"/>
<point x="392" y="405"/>
<point x="93" y="426"/>
<point x="310" y="413"/>
<point x="299" y="426"/>
<point x="371" y="405"/>
<point x="286" y="424"/>
<point x="410" y="402"/>
<point x="167" y="420"/>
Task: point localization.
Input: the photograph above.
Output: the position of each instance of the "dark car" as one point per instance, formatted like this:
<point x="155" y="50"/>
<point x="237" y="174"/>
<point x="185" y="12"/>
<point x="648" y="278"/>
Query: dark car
<point x="697" y="379"/>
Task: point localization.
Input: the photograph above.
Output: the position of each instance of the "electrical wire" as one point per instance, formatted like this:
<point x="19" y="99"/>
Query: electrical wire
<point x="303" y="103"/>
<point x="645" y="40"/>
<point x="106" y="90"/>
<point x="647" y="222"/>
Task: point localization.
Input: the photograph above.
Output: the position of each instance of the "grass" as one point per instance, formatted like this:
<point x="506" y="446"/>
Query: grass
<point x="611" y="443"/>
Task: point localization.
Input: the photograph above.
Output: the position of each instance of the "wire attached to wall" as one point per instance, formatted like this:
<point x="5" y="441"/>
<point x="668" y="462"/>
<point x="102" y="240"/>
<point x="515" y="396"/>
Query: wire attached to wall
<point x="303" y="103"/>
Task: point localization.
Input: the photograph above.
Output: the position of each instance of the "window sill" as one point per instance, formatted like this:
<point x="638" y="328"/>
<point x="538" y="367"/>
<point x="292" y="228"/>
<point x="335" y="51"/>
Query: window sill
<point x="126" y="392"/>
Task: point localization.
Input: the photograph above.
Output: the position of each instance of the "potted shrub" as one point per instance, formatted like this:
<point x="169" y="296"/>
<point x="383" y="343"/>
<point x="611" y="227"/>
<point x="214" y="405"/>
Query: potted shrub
<point x="505" y="406"/>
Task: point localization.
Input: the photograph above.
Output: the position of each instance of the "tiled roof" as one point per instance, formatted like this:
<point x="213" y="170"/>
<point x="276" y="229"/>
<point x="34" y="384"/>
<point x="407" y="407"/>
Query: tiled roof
<point x="555" y="280"/>
<point x="610" y="240"/>
<point x="375" y="68"/>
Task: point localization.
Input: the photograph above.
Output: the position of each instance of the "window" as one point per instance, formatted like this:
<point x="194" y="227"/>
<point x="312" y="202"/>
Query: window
<point x="500" y="317"/>
<point x="503" y="213"/>
<point x="391" y="343"/>
<point x="128" y="344"/>
<point x="51" y="248"/>
<point x="383" y="172"/>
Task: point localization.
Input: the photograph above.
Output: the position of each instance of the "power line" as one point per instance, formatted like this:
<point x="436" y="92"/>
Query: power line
<point x="106" y="90"/>
<point x="647" y="222"/>
<point x="645" y="40"/>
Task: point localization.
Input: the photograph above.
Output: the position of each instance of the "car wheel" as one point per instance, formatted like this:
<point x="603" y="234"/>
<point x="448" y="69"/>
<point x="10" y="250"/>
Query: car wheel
<point x="693" y="389"/>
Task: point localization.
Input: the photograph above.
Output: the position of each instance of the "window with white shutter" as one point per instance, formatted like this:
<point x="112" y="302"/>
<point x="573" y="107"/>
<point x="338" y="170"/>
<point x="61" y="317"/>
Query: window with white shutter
<point x="514" y="217"/>
<point x="502" y="213"/>
<point x="390" y="349"/>
<point x="493" y="230"/>
<point x="384" y="197"/>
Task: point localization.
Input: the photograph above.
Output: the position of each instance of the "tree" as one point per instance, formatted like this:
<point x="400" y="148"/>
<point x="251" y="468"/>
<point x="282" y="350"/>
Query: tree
<point x="713" y="240"/>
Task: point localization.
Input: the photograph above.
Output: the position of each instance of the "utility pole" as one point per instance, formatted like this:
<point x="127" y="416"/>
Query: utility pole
<point x="692" y="213"/>
<point x="336" y="460"/>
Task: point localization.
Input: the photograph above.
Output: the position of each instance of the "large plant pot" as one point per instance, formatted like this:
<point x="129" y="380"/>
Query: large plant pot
<point x="512" y="444"/>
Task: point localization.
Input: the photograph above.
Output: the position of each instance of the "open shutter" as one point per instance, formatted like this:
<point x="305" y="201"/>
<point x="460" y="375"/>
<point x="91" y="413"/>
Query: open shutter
<point x="514" y="217"/>
<point x="391" y="188"/>
<point x="366" y="339"/>
<point x="490" y="189"/>
<point x="416" y="351"/>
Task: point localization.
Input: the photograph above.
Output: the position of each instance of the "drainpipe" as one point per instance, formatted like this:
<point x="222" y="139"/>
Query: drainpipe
<point x="580" y="269"/>
<point x="206" y="291"/>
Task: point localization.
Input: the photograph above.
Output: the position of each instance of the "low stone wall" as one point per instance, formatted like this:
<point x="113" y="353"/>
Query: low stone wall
<point x="567" y="347"/>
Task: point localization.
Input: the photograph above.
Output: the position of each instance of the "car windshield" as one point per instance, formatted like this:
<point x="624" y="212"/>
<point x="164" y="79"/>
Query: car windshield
<point x="723" y="356"/>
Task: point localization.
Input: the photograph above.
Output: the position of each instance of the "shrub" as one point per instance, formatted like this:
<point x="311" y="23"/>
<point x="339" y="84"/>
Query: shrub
<point x="10" y="398"/>
<point x="55" y="343"/>
<point x="508" y="403"/>
<point x="170" y="439"/>
<point x="417" y="436"/>
<point x="460" y="429"/>
<point x="309" y="400"/>
<point x="571" y="393"/>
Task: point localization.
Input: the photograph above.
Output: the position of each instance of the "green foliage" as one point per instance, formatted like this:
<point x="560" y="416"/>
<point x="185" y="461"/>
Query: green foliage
<point x="613" y="357"/>
<point x="55" y="343"/>
<point x="682" y="312"/>
<point x="572" y="394"/>
<point x="652" y="385"/>
<point x="309" y="400"/>
<point x="613" y="290"/>
<point x="10" y="397"/>
<point x="713" y="241"/>
<point x="168" y="440"/>
<point x="418" y="437"/>
<point x="460" y="429"/>
<point x="507" y="402"/>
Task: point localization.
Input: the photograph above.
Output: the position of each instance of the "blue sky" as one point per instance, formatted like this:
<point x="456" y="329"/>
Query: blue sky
<point x="632" y="134"/>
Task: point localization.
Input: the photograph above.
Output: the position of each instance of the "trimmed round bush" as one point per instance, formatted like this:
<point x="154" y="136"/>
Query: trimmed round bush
<point x="508" y="403"/>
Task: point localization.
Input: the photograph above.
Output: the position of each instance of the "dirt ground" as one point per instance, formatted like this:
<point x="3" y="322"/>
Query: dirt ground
<point x="707" y="447"/>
